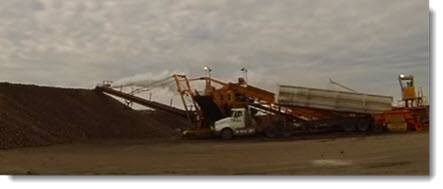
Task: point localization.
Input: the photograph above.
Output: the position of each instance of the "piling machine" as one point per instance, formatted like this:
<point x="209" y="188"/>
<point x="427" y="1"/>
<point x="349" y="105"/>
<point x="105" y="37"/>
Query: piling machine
<point x="228" y="109"/>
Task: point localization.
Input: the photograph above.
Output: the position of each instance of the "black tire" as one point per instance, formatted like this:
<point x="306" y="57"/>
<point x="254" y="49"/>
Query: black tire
<point x="349" y="127"/>
<point x="363" y="126"/>
<point x="227" y="134"/>
<point x="286" y="134"/>
<point x="270" y="132"/>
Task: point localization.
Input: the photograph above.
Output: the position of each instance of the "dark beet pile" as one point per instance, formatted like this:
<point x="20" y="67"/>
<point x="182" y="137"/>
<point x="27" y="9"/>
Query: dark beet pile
<point x="34" y="116"/>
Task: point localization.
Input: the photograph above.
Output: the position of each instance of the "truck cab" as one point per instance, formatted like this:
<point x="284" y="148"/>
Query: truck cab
<point x="239" y="123"/>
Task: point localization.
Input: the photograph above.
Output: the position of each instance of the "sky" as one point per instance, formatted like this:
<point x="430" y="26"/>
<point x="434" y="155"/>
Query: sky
<point x="363" y="44"/>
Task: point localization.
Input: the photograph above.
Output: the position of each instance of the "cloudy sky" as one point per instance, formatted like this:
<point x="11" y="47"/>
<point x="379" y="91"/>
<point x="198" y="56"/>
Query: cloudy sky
<point x="364" y="44"/>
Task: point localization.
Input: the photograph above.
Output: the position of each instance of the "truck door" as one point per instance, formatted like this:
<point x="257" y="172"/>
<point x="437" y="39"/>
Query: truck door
<point x="238" y="120"/>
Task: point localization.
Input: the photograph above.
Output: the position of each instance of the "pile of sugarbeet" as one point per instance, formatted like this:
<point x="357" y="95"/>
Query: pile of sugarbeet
<point x="34" y="116"/>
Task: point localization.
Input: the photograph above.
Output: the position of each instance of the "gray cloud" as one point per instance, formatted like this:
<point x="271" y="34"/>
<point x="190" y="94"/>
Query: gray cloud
<point x="364" y="44"/>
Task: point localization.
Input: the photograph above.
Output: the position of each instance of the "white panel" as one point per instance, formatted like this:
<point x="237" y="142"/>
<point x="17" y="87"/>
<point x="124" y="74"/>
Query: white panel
<point x="333" y="100"/>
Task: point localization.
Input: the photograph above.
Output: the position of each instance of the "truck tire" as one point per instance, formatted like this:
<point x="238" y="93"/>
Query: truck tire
<point x="227" y="134"/>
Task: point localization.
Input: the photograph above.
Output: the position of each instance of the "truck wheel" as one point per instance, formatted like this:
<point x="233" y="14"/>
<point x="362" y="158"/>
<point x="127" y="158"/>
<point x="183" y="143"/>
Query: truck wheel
<point x="227" y="134"/>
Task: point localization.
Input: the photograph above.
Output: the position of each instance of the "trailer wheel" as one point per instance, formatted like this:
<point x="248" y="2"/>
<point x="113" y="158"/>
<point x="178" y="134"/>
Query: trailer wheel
<point x="363" y="125"/>
<point x="227" y="134"/>
<point x="270" y="132"/>
<point x="349" y="127"/>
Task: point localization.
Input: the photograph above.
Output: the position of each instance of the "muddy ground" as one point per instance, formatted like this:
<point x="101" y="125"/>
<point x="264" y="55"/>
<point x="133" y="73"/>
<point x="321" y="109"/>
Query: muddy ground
<point x="390" y="154"/>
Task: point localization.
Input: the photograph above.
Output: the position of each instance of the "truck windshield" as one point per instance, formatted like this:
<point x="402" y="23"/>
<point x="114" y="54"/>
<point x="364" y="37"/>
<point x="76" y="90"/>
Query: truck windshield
<point x="237" y="114"/>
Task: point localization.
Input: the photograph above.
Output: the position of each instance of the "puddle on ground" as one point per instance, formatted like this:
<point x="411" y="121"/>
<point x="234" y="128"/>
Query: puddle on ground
<point x="331" y="162"/>
<point x="386" y="164"/>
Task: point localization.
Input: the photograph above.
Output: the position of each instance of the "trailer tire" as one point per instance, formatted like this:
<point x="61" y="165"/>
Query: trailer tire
<point x="363" y="125"/>
<point x="349" y="127"/>
<point x="226" y="134"/>
<point x="270" y="132"/>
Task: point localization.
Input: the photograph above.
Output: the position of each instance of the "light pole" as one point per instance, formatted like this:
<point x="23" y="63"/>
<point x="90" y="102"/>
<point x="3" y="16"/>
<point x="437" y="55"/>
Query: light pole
<point x="245" y="74"/>
<point x="208" y="71"/>
<point x="208" y="88"/>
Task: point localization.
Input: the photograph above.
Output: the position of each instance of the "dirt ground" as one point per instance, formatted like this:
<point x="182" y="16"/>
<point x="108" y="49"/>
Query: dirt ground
<point x="393" y="154"/>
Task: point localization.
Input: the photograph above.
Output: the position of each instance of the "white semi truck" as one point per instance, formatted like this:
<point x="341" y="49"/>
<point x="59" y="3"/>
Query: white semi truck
<point x="253" y="120"/>
<point x="240" y="123"/>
